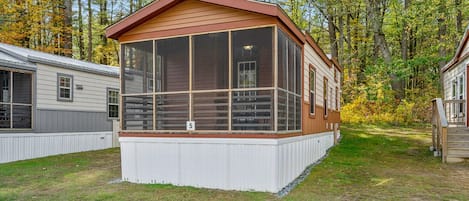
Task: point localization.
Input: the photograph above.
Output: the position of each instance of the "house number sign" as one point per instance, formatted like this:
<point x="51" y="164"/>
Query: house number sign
<point x="190" y="125"/>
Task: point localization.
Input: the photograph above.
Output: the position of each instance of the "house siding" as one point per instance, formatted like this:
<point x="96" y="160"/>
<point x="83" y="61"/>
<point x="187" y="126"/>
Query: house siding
<point x="450" y="75"/>
<point x="52" y="121"/>
<point x="91" y="98"/>
<point x="319" y="123"/>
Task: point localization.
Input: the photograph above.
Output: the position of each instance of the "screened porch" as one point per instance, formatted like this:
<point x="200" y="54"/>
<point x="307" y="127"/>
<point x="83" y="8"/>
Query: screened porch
<point x="225" y="82"/>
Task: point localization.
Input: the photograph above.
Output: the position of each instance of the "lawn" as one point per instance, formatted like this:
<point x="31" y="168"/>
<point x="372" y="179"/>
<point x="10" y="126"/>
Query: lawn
<point x="371" y="163"/>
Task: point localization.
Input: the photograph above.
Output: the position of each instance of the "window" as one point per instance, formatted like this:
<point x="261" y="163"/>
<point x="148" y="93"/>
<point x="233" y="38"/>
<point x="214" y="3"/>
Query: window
<point x="325" y="87"/>
<point x="15" y="100"/>
<point x="337" y="98"/>
<point x="112" y="103"/>
<point x="64" y="87"/>
<point x="335" y="75"/>
<point x="458" y="94"/>
<point x="312" y="91"/>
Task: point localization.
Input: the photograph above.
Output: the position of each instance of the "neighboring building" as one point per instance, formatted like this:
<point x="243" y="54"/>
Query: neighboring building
<point x="455" y="84"/>
<point x="53" y="105"/>
<point x="454" y="144"/>
<point x="222" y="94"/>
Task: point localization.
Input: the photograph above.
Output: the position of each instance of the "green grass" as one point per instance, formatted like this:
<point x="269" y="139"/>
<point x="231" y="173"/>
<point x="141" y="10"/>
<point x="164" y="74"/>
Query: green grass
<point x="371" y="163"/>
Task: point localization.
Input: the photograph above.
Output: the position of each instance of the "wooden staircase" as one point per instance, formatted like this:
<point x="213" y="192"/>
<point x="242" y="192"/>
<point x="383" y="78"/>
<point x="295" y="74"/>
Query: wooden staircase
<point x="450" y="139"/>
<point x="458" y="144"/>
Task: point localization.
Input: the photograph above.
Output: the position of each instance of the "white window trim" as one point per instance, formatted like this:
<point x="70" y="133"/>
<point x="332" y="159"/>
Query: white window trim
<point x="312" y="92"/>
<point x="63" y="99"/>
<point x="109" y="103"/>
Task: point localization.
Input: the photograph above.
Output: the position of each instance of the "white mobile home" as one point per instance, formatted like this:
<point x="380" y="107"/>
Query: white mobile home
<point x="453" y="143"/>
<point x="454" y="76"/>
<point x="53" y="105"/>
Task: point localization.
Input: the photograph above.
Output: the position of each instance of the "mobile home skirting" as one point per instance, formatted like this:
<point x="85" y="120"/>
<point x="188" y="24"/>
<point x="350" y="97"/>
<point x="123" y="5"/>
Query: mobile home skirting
<point x="231" y="164"/>
<point x="21" y="146"/>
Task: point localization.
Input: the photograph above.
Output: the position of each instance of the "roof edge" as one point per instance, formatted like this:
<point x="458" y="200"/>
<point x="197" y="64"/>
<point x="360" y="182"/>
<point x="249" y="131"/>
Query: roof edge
<point x="72" y="67"/>
<point x="458" y="53"/>
<point x="454" y="62"/>
<point x="21" y="66"/>
<point x="138" y="17"/>
<point x="318" y="50"/>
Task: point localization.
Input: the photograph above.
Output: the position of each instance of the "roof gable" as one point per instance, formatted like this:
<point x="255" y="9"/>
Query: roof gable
<point x="146" y="15"/>
<point x="190" y="15"/>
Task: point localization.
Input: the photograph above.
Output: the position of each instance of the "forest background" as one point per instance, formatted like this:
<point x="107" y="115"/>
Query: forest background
<point x="391" y="50"/>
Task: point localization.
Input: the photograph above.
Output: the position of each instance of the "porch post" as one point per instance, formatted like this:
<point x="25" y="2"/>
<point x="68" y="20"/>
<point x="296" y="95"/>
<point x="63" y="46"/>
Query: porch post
<point x="275" y="78"/>
<point x="465" y="95"/>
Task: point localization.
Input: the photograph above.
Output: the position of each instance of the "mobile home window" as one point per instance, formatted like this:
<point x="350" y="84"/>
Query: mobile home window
<point x="65" y="89"/>
<point x="337" y="98"/>
<point x="312" y="90"/>
<point x="113" y="103"/>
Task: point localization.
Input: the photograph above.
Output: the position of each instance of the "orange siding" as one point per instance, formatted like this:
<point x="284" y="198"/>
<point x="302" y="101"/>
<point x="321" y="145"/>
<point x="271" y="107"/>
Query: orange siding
<point x="191" y="17"/>
<point x="318" y="123"/>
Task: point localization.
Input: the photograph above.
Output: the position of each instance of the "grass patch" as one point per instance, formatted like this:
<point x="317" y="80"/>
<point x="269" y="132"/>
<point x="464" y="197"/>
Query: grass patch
<point x="371" y="163"/>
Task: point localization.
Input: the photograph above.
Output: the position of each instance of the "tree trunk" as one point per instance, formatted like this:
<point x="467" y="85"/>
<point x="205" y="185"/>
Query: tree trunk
<point x="377" y="10"/>
<point x="376" y="15"/>
<point x="90" y="32"/>
<point x="332" y="33"/>
<point x="103" y="21"/>
<point x="457" y="5"/>
<point x="131" y="6"/>
<point x="67" y="29"/>
<point x="404" y="34"/>
<point x="349" y="47"/>
<point x="81" y="46"/>
<point x="341" y="38"/>
<point x="442" y="32"/>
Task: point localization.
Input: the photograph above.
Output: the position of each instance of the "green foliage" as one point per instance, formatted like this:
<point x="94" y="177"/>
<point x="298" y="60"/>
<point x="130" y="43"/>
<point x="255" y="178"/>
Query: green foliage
<point x="374" y="99"/>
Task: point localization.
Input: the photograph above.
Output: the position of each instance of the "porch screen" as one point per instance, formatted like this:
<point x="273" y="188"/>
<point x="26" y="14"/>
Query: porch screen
<point x="289" y="83"/>
<point x="15" y="100"/>
<point x="137" y="85"/>
<point x="252" y="108"/>
<point x="210" y="72"/>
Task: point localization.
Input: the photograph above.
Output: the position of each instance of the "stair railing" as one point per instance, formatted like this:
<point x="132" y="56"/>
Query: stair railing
<point x="439" y="129"/>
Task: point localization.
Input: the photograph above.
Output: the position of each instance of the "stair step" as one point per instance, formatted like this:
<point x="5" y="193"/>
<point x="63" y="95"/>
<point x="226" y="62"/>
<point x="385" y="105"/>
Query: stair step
<point x="458" y="144"/>
<point x="462" y="152"/>
<point x="457" y="156"/>
<point x="458" y="130"/>
<point x="457" y="137"/>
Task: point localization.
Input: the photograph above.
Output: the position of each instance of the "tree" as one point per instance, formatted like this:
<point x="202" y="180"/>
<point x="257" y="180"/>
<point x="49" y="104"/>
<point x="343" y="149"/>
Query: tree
<point x="90" y="31"/>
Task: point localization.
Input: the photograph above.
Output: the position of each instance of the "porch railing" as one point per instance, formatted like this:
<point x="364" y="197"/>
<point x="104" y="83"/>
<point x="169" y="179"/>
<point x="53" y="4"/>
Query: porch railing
<point x="439" y="129"/>
<point x="455" y="111"/>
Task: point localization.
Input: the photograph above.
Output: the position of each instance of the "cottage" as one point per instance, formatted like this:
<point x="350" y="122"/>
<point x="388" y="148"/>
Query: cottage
<point x="54" y="105"/>
<point x="222" y="94"/>
<point x="454" y="78"/>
